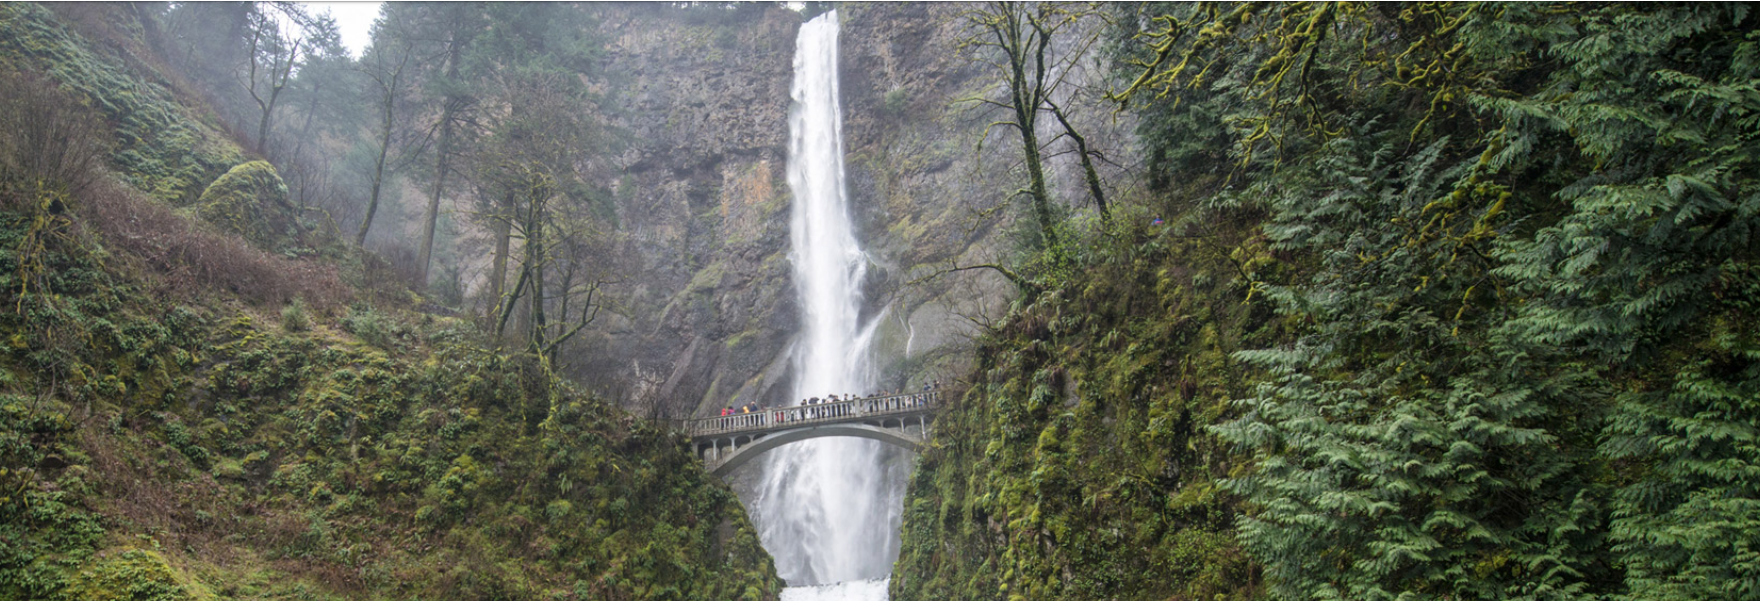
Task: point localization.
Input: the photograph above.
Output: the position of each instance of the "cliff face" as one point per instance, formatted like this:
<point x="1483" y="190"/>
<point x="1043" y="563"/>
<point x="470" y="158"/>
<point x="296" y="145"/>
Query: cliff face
<point x="702" y="196"/>
<point x="702" y="192"/>
<point x="918" y="182"/>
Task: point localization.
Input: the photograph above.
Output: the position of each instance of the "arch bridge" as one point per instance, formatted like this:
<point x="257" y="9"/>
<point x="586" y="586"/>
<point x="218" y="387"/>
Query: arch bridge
<point x="727" y="442"/>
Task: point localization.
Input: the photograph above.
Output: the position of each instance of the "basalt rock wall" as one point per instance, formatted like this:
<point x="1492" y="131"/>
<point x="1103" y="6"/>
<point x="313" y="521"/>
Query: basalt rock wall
<point x="701" y="96"/>
<point x="702" y="195"/>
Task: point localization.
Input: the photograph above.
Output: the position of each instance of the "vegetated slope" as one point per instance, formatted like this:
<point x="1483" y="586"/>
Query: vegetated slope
<point x="170" y="430"/>
<point x="162" y="147"/>
<point x="1077" y="464"/>
<point x="1491" y="303"/>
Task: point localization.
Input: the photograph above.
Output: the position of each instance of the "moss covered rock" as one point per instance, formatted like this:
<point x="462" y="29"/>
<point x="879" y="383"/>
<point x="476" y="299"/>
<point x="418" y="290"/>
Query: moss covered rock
<point x="134" y="574"/>
<point x="251" y="201"/>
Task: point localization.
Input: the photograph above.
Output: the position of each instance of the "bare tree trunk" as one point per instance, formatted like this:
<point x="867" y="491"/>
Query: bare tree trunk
<point x="388" y="87"/>
<point x="433" y="217"/>
<point x="1036" y="188"/>
<point x="299" y="148"/>
<point x="277" y="83"/>
<point x="1025" y="47"/>
<point x="498" y="270"/>
<point x="1088" y="170"/>
<point x="534" y="257"/>
<point x="447" y="106"/>
<point x="360" y="237"/>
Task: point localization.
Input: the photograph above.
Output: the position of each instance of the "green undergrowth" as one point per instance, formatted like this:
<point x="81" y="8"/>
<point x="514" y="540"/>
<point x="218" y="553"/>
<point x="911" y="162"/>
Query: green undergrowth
<point x="171" y="430"/>
<point x="1077" y="464"/>
<point x="1484" y="329"/>
<point x="162" y="450"/>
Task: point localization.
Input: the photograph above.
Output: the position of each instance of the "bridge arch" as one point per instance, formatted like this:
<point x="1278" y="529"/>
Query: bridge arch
<point x="744" y="454"/>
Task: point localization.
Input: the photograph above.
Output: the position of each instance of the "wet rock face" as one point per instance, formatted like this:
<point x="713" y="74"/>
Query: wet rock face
<point x="701" y="190"/>
<point x="917" y="180"/>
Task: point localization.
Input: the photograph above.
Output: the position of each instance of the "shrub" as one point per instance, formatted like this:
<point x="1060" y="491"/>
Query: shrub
<point x="46" y="137"/>
<point x="294" y="317"/>
<point x="558" y="509"/>
<point x="373" y="327"/>
<point x="132" y="574"/>
<point x="895" y="101"/>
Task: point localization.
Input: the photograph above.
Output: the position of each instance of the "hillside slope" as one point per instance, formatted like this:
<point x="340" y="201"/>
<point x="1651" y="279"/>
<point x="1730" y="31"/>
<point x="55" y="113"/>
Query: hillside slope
<point x="1077" y="465"/>
<point x="186" y="416"/>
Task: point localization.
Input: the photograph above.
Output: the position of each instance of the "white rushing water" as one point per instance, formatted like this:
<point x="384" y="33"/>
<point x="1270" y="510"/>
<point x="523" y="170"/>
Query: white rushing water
<point x="827" y="509"/>
<point x="855" y="590"/>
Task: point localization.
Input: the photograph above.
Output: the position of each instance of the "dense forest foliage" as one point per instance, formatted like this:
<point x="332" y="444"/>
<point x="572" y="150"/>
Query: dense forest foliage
<point x="210" y="390"/>
<point x="1438" y="301"/>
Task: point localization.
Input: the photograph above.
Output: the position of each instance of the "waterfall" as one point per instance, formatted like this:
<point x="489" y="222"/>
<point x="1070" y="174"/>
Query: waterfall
<point x="827" y="509"/>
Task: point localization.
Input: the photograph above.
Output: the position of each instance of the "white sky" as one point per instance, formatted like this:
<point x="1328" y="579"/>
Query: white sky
<point x="355" y="19"/>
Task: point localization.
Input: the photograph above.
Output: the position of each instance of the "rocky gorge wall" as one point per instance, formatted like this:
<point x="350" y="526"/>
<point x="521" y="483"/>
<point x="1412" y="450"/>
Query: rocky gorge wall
<point x="702" y="196"/>
<point x="701" y="199"/>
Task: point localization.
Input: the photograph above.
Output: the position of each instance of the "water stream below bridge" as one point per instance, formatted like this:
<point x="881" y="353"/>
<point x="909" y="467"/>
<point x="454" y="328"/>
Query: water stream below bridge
<point x="827" y="509"/>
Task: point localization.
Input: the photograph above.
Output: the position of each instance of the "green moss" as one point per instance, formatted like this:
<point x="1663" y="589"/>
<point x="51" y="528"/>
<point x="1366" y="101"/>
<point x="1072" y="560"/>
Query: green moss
<point x="251" y="200"/>
<point x="322" y="450"/>
<point x="160" y="148"/>
<point x="134" y="575"/>
<point x="1083" y="434"/>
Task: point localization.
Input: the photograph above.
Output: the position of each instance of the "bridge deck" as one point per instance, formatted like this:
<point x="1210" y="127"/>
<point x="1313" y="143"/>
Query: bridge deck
<point x="776" y="419"/>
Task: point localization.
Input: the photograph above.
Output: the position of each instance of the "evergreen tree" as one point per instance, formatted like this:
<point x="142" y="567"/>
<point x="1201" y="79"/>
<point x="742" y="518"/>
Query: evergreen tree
<point x="1524" y="235"/>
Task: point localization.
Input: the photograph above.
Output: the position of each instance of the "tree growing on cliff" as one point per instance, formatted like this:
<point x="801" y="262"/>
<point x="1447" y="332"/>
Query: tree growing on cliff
<point x="532" y="160"/>
<point x="1019" y="42"/>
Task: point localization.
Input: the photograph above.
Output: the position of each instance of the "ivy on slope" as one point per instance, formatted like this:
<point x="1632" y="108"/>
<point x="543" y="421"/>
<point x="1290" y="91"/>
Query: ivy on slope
<point x="163" y="452"/>
<point x="160" y="148"/>
<point x="1076" y="466"/>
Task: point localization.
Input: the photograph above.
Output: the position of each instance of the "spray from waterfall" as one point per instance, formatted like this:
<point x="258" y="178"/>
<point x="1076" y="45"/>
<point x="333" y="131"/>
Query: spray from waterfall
<point x="827" y="509"/>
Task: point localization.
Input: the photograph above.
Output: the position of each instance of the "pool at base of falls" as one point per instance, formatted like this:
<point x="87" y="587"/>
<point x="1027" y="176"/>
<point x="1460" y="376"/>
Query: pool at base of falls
<point x="853" y="590"/>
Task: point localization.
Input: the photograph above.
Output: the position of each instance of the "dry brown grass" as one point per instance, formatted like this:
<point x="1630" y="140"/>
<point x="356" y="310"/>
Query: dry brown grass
<point x="187" y="255"/>
<point x="170" y="509"/>
<point x="50" y="142"/>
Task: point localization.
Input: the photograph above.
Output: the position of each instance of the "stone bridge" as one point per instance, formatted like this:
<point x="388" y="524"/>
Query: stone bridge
<point x="727" y="442"/>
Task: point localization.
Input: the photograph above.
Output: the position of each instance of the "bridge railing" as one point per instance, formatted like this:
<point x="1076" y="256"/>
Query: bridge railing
<point x="778" y="417"/>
